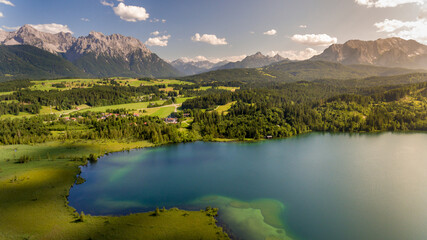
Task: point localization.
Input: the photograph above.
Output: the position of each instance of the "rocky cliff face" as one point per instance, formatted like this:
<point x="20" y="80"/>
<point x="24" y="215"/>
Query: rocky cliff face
<point x="390" y="52"/>
<point x="97" y="54"/>
<point x="3" y="35"/>
<point x="115" y="45"/>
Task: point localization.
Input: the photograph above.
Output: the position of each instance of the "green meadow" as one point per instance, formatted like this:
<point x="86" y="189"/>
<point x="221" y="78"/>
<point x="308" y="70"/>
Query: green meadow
<point x="153" y="82"/>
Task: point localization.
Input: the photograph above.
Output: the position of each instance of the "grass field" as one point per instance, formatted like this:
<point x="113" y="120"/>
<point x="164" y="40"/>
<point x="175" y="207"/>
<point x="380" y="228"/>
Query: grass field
<point x="5" y="93"/>
<point x="128" y="106"/>
<point x="10" y="101"/>
<point x="137" y="82"/>
<point x="20" y="115"/>
<point x="163" y="112"/>
<point x="224" y="108"/>
<point x="181" y="100"/>
<point x="232" y="89"/>
<point x="46" y="85"/>
<point x="33" y="202"/>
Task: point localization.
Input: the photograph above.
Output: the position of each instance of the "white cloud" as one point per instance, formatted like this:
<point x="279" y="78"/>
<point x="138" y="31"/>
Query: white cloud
<point x="156" y="33"/>
<point x="52" y="28"/>
<point x="161" y="41"/>
<point x="387" y="3"/>
<point x="10" y="28"/>
<point x="85" y="19"/>
<point x="1" y="15"/>
<point x="131" y="13"/>
<point x="302" y="26"/>
<point x="7" y="2"/>
<point x="195" y="59"/>
<point x="209" y="38"/>
<point x="108" y="4"/>
<point x="314" y="39"/>
<point x="416" y="30"/>
<point x="271" y="32"/>
<point x="295" y="55"/>
<point x="163" y="20"/>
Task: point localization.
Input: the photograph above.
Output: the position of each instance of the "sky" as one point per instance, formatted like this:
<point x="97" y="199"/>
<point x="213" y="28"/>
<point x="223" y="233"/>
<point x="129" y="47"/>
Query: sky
<point x="225" y="29"/>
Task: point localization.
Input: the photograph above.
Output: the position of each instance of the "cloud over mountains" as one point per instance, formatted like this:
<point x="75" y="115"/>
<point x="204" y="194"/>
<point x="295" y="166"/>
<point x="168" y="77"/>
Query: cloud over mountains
<point x="209" y="38"/>
<point x="314" y="39"/>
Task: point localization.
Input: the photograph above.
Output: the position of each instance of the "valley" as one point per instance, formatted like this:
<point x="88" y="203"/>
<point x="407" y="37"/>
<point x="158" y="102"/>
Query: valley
<point x="101" y="138"/>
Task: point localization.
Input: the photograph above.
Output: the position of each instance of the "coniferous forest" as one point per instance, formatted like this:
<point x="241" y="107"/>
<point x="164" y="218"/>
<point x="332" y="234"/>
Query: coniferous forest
<point x="256" y="109"/>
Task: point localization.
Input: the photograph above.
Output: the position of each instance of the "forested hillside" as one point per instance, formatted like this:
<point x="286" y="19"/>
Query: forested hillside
<point x="295" y="71"/>
<point x="27" y="62"/>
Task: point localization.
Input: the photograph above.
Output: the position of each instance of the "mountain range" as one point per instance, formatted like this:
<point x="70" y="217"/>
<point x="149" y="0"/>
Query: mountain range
<point x="390" y="52"/>
<point x="96" y="55"/>
<point x="29" y="53"/>
<point x="195" y="67"/>
<point x="254" y="61"/>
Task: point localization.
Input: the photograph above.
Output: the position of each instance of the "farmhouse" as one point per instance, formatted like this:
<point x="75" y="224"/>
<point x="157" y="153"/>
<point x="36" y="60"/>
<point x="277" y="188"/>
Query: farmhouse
<point x="171" y="120"/>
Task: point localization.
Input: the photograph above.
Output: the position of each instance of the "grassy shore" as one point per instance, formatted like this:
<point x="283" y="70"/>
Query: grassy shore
<point x="33" y="199"/>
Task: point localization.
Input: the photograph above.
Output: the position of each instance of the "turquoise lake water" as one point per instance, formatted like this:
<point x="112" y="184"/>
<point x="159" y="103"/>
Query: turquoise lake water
<point x="314" y="186"/>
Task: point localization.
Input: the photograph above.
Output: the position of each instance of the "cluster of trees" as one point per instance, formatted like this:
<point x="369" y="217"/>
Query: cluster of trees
<point x="10" y="86"/>
<point x="24" y="131"/>
<point x="16" y="108"/>
<point x="261" y="113"/>
<point x="96" y="96"/>
<point x="38" y="129"/>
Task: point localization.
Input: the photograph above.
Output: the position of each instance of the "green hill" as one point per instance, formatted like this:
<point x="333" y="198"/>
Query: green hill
<point x="27" y="62"/>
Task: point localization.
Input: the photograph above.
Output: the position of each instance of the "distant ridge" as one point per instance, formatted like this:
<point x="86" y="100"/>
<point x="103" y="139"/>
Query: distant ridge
<point x="196" y="67"/>
<point x="254" y="61"/>
<point x="390" y="52"/>
<point x="307" y="70"/>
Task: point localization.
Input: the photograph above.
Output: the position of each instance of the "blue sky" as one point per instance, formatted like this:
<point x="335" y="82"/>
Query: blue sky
<point x="296" y="29"/>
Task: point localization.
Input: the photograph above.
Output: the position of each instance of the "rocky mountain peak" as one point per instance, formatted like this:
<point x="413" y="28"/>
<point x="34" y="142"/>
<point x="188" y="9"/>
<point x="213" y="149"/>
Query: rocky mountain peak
<point x="26" y="29"/>
<point x="97" y="35"/>
<point x="28" y="35"/>
<point x="278" y="58"/>
<point x="258" y="55"/>
<point x="114" y="45"/>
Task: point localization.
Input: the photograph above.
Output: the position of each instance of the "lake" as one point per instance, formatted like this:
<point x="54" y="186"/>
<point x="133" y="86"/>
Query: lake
<point x="313" y="186"/>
